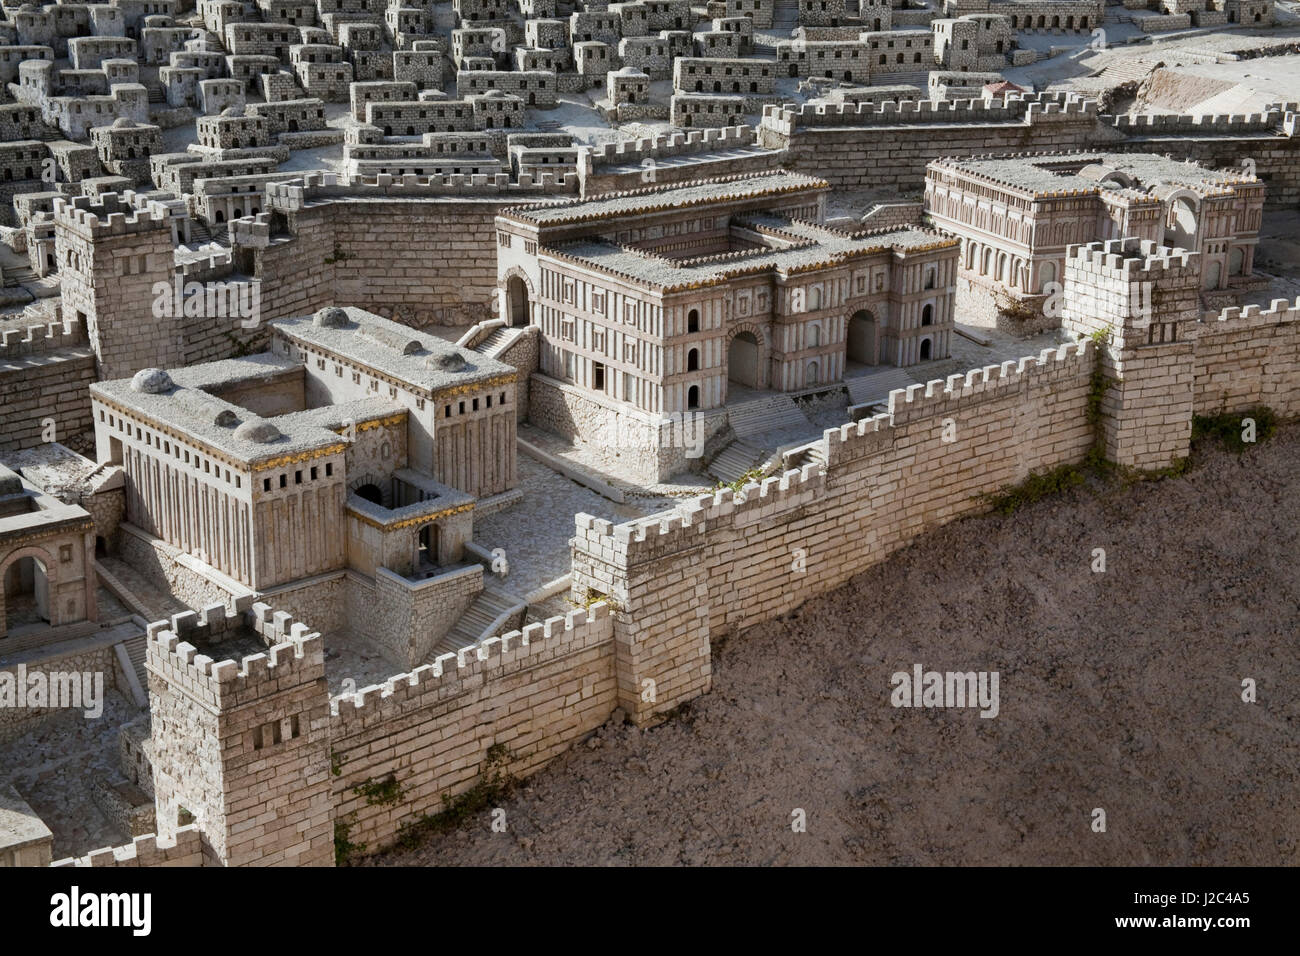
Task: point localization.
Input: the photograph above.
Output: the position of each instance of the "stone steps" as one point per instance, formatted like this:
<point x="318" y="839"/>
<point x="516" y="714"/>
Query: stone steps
<point x="135" y="591"/>
<point x="736" y="458"/>
<point x="871" y="388"/>
<point x="478" y="622"/>
<point x="761" y="416"/>
<point x="137" y="651"/>
<point x="494" y="341"/>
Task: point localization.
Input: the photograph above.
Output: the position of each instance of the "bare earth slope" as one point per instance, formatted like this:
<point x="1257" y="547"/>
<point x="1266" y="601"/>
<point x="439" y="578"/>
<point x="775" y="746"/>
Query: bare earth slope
<point x="1119" y="690"/>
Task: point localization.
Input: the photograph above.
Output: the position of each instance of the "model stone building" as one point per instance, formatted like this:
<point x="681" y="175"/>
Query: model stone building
<point x="1016" y="216"/>
<point x="354" y="445"/>
<point x="662" y="301"/>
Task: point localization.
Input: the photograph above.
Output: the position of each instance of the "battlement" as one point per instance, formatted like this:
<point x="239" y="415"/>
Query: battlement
<point x="39" y="339"/>
<point x="450" y="674"/>
<point x="295" y="654"/>
<point x="111" y="215"/>
<point x="665" y="532"/>
<point x="1143" y="123"/>
<point x="982" y="384"/>
<point x="672" y="144"/>
<point x="293" y="195"/>
<point x="251" y="231"/>
<point x="1028" y="107"/>
<point x="1136" y="259"/>
<point x="1236" y="318"/>
<point x="184" y="848"/>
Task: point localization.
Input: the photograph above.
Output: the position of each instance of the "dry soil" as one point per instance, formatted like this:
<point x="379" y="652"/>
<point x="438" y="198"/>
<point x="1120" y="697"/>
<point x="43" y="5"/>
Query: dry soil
<point x="1119" y="690"/>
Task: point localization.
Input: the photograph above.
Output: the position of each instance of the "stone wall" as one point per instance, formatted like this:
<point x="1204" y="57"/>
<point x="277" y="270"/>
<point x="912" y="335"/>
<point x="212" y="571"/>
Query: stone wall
<point x="725" y="562"/>
<point x="342" y="254"/>
<point x="16" y="721"/>
<point x="184" y="848"/>
<point x="1248" y="357"/>
<point x="45" y="386"/>
<point x="509" y="706"/>
<point x="888" y="147"/>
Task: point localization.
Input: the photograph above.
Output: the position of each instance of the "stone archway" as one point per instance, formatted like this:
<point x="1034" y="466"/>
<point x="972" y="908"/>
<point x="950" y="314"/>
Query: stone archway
<point x="746" y="356"/>
<point x="863" y="342"/>
<point x="27" y="580"/>
<point x="1181" y="213"/>
<point x="517" y="296"/>
<point x="742" y="360"/>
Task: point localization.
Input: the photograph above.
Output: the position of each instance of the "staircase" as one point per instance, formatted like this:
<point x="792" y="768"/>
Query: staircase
<point x="785" y="16"/>
<point x="18" y="275"/>
<point x="135" y="592"/>
<point x="736" y="458"/>
<point x="494" y="341"/>
<point x="918" y="78"/>
<point x="768" y="414"/>
<point x="482" y="619"/>
<point x="136" y="651"/>
<point x="876" y="387"/>
<point x="201" y="233"/>
<point x="814" y="454"/>
<point x="156" y="93"/>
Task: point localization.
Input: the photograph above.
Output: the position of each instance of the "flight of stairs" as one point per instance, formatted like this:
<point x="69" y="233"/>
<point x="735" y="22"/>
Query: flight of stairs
<point x="917" y="78"/>
<point x="479" y="621"/>
<point x="494" y="341"/>
<point x="135" y="592"/>
<point x="785" y="16"/>
<point x="136" y="651"/>
<point x="736" y="458"/>
<point x="871" y="388"/>
<point x="202" y="233"/>
<point x="763" y="415"/>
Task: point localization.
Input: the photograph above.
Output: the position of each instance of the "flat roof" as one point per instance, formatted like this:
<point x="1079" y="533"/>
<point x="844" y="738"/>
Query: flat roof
<point x="820" y="247"/>
<point x="420" y="359"/>
<point x="1147" y="171"/>
<point x="660" y="198"/>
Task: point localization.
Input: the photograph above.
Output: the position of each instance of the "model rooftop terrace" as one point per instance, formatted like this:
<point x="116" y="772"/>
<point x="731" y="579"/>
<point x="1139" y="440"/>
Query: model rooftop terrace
<point x="421" y="361"/>
<point x="1056" y="175"/>
<point x="812" y="247"/>
<point x="194" y="416"/>
<point x="665" y="198"/>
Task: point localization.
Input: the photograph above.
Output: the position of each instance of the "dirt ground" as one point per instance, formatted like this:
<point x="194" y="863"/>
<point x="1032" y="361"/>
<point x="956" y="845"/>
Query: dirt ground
<point x="1119" y="690"/>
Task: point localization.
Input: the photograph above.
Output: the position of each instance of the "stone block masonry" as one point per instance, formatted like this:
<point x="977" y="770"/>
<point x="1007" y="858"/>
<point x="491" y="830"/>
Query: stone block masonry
<point x="862" y="146"/>
<point x="40" y="388"/>
<point x="509" y="704"/>
<point x="243" y="747"/>
<point x="725" y="562"/>
<point x="1248" y="357"/>
<point x="342" y="254"/>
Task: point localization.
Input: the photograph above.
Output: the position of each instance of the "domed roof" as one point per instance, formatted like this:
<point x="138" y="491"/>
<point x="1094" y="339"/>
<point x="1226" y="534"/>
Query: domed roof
<point x="448" y="361"/>
<point x="233" y="111"/>
<point x="331" y="317"/>
<point x="225" y="418"/>
<point x="151" y="381"/>
<point x="260" y="433"/>
<point x="124" y="122"/>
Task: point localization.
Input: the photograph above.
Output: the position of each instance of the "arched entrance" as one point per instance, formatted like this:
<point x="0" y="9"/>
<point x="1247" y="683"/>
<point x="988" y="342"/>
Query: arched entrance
<point x="862" y="346"/>
<point x="1180" y="223"/>
<point x="517" y="302"/>
<point x="925" y="350"/>
<point x="371" y="493"/>
<point x="742" y="360"/>
<point x="26" y="594"/>
<point x="428" y="545"/>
